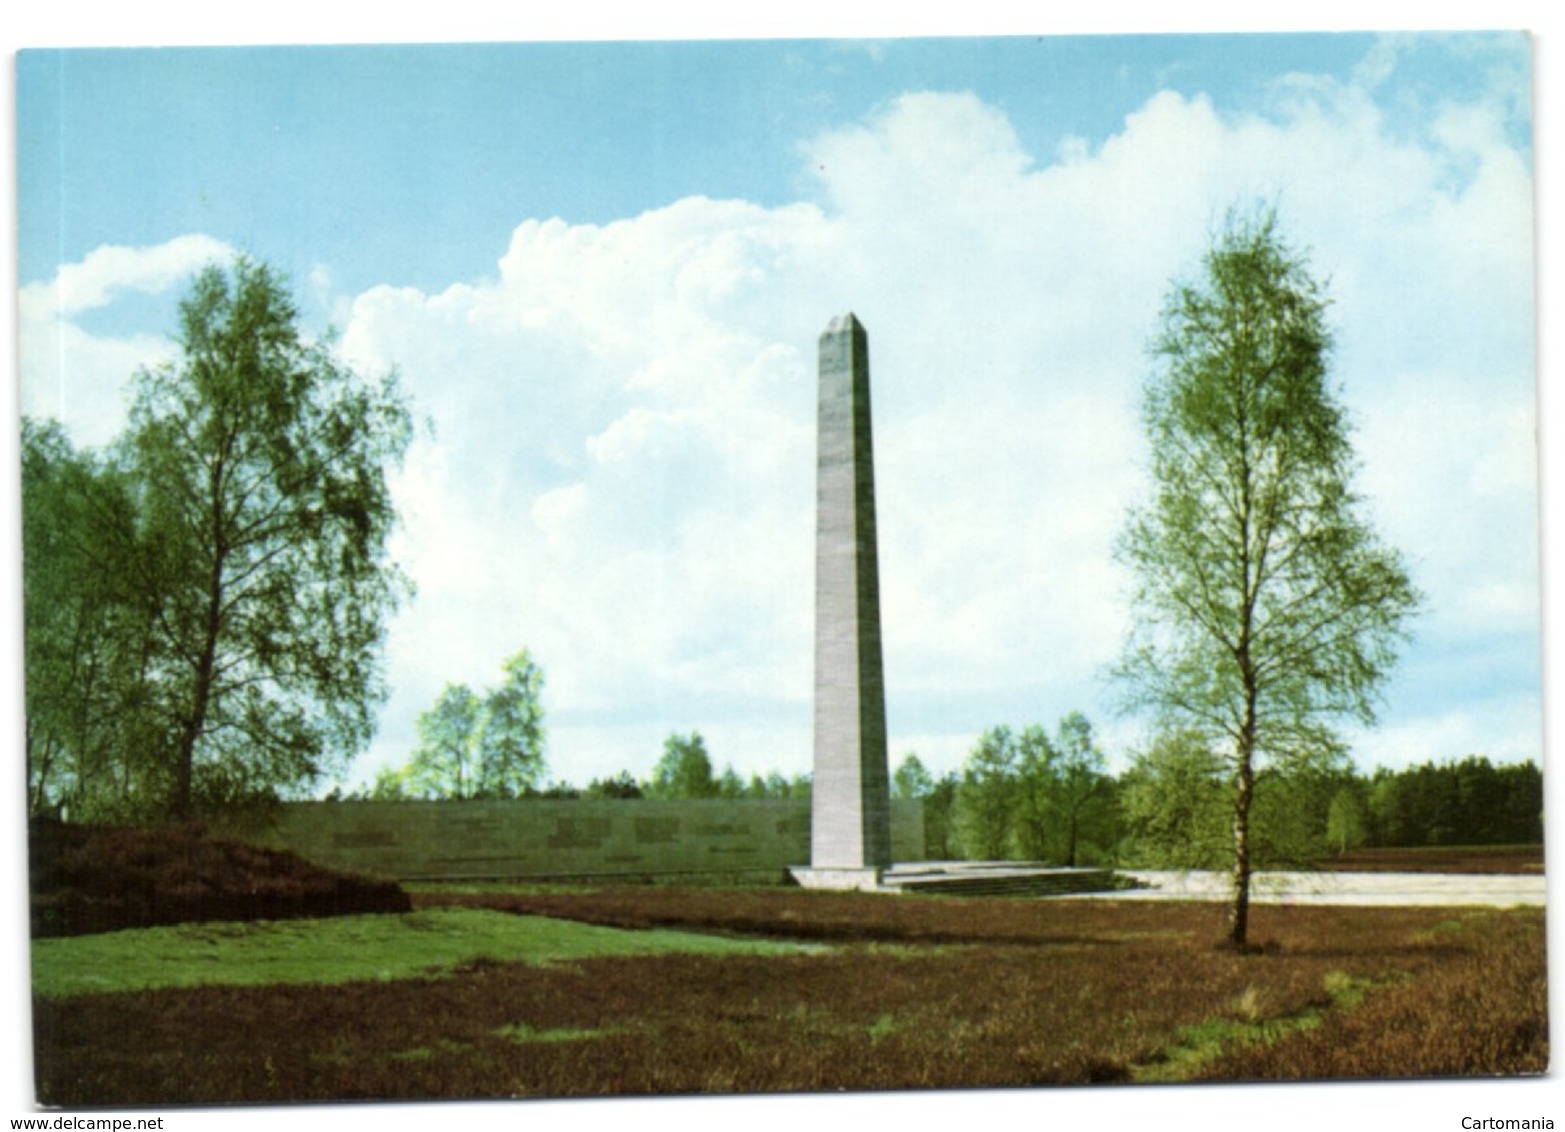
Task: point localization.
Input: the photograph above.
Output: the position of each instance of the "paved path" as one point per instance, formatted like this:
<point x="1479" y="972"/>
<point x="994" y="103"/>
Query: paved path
<point x="1342" y="888"/>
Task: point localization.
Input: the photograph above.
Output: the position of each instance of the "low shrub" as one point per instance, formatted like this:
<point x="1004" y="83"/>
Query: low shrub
<point x="87" y="879"/>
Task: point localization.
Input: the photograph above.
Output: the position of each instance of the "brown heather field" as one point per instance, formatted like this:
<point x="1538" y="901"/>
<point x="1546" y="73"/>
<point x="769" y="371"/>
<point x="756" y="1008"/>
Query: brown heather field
<point x="87" y="879"/>
<point x="909" y="993"/>
<point x="1521" y="859"/>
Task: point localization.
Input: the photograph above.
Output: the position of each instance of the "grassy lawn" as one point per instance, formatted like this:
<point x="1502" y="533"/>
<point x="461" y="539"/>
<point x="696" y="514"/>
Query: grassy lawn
<point x="436" y="941"/>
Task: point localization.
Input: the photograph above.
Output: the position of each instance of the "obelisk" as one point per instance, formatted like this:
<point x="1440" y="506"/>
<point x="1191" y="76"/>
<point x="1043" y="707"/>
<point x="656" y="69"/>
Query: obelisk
<point x="850" y="824"/>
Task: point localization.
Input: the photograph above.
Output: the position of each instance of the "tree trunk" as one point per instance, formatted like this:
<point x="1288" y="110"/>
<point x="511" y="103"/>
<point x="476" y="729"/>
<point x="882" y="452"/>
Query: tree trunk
<point x="1239" y="914"/>
<point x="37" y="786"/>
<point x="201" y="699"/>
<point x="182" y="807"/>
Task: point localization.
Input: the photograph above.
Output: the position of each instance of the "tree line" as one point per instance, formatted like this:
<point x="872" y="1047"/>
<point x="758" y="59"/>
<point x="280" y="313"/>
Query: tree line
<point x="470" y="750"/>
<point x="1027" y="795"/>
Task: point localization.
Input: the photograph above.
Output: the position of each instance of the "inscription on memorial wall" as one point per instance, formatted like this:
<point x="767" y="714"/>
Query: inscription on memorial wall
<point x="656" y="831"/>
<point x="579" y="833"/>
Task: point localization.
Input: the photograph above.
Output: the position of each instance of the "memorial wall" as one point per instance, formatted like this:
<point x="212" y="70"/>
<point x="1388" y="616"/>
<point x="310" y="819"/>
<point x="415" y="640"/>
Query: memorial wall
<point x="568" y="838"/>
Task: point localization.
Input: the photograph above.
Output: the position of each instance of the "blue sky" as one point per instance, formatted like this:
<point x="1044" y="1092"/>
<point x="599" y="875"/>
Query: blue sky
<point x="601" y="268"/>
<point x="455" y="142"/>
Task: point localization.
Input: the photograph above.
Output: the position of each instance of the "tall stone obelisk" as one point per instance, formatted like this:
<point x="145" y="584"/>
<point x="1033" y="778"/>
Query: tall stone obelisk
<point x="850" y="825"/>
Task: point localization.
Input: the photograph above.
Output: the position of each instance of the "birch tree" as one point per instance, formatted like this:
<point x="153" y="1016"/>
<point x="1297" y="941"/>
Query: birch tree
<point x="1267" y="610"/>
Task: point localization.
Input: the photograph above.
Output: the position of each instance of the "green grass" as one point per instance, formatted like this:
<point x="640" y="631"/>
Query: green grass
<point x="884" y="1027"/>
<point x="1247" y="1023"/>
<point x="522" y="1035"/>
<point x="1204" y="1042"/>
<point x="343" y="949"/>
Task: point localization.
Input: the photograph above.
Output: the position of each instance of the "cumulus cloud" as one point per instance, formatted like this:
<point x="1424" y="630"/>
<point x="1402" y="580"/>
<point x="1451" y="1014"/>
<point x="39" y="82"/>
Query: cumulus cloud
<point x="620" y="474"/>
<point x="76" y="376"/>
<point x="1503" y="728"/>
<point x="661" y="559"/>
<point x="109" y="270"/>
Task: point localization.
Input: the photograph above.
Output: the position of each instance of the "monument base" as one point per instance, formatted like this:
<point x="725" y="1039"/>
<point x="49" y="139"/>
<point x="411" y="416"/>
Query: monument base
<point x="838" y="880"/>
<point x="964" y="878"/>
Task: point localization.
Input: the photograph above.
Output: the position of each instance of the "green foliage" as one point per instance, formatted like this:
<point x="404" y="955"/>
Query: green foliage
<point x="684" y="771"/>
<point x="562" y="791"/>
<point x="940" y="839"/>
<point x="1176" y="801"/>
<point x="1465" y="802"/>
<point x="489" y="746"/>
<point x="1346" y="820"/>
<point x="911" y="779"/>
<point x="986" y="798"/>
<point x="1035" y="798"/>
<point x="1267" y="608"/>
<point x="260" y="467"/>
<point x="729" y="784"/>
<point x="773" y="784"/>
<point x="208" y="615"/>
<point x="390" y="785"/>
<point x="1292" y="813"/>
<point x="1175" y="804"/>
<point x="1081" y="793"/>
<point x="444" y="765"/>
<point x="1038" y="798"/>
<point x="511" y="736"/>
<point x="91" y="741"/>
<point x="622" y="785"/>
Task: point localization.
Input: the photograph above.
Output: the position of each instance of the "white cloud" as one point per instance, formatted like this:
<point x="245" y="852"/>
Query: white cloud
<point x="109" y="270"/>
<point x="78" y="377"/>
<point x="1503" y="729"/>
<point x="621" y="475"/>
<point x="1381" y="62"/>
<point x="1453" y="481"/>
<point x="946" y="160"/>
<point x="666" y="546"/>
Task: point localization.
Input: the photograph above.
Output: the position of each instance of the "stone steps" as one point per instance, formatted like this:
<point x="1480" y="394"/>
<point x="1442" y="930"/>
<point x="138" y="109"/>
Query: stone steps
<point x="995" y="880"/>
